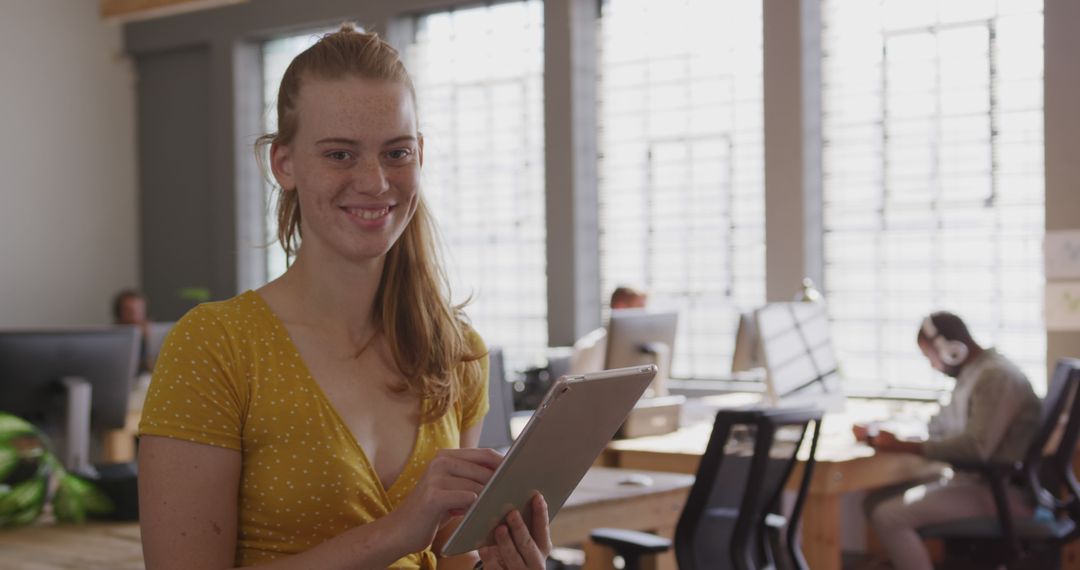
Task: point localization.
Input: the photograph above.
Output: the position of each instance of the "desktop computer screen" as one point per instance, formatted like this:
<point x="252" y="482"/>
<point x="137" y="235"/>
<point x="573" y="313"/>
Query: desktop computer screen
<point x="634" y="335"/>
<point x="155" y="337"/>
<point x="34" y="363"/>
<point x="797" y="348"/>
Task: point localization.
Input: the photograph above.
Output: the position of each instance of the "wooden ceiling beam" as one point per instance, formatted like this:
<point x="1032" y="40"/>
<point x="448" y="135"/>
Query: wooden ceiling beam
<point x="127" y="10"/>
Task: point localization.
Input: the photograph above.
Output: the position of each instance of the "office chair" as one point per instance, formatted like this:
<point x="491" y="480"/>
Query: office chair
<point x="1046" y="474"/>
<point x="495" y="433"/>
<point x="726" y="503"/>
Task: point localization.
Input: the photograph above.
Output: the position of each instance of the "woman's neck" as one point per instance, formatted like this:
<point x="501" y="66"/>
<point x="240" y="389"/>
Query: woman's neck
<point x="322" y="291"/>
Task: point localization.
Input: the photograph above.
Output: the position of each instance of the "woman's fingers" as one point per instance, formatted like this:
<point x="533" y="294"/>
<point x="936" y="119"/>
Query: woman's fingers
<point x="526" y="547"/>
<point x="511" y="558"/>
<point x="481" y="456"/>
<point x="541" y="530"/>
<point x="489" y="555"/>
<point x="457" y="465"/>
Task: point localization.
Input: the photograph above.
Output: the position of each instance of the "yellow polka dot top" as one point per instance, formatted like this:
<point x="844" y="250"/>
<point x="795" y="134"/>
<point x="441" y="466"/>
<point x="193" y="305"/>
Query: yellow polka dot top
<point x="229" y="375"/>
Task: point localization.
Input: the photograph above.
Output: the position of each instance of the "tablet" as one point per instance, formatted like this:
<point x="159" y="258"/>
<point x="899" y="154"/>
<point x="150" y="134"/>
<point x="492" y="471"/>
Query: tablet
<point x="575" y="421"/>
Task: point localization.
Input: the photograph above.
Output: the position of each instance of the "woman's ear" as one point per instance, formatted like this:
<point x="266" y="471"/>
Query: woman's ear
<point x="281" y="165"/>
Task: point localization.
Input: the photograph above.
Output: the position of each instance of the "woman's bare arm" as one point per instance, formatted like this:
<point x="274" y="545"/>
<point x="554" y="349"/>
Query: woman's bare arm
<point x="188" y="514"/>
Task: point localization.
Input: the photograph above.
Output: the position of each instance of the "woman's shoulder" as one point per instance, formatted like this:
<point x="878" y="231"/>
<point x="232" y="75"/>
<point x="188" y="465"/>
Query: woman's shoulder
<point x="474" y="341"/>
<point x="238" y="314"/>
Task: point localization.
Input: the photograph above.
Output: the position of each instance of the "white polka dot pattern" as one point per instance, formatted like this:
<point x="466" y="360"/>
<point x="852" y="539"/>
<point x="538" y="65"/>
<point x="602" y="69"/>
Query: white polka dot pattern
<point x="230" y="376"/>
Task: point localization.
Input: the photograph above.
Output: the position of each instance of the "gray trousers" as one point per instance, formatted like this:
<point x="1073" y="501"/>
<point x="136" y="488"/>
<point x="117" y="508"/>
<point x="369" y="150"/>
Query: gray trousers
<point x="897" y="514"/>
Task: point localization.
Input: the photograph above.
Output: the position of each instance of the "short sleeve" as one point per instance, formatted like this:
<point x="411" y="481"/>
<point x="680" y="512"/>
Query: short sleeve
<point x="195" y="393"/>
<point x="474" y="393"/>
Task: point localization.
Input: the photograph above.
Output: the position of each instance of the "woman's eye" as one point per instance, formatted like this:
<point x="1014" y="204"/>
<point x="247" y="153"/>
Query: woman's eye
<point x="399" y="154"/>
<point x="339" y="155"/>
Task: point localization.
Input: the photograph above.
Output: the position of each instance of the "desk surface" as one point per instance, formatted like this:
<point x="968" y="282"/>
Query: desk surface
<point x="598" y="501"/>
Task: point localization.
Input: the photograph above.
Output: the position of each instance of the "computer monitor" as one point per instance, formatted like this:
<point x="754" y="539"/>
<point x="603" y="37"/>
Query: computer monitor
<point x="801" y="365"/>
<point x="747" y="355"/>
<point x="155" y="337"/>
<point x="639" y="336"/>
<point x="496" y="430"/>
<point x="38" y="371"/>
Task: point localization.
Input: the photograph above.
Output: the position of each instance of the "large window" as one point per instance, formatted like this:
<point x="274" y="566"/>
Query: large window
<point x="481" y="112"/>
<point x="933" y="186"/>
<point x="681" y="168"/>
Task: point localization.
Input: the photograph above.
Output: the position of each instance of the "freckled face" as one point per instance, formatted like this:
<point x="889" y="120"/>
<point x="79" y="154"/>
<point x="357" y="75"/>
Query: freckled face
<point x="355" y="162"/>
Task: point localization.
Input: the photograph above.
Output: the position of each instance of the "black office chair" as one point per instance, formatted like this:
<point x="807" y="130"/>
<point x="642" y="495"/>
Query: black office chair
<point x="1047" y="474"/>
<point x="729" y="513"/>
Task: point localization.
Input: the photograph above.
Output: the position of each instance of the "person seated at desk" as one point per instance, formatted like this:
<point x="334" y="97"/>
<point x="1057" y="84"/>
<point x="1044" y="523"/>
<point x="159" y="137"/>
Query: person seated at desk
<point x="993" y="414"/>
<point x="327" y="420"/>
<point x="129" y="308"/>
<point x="590" y="350"/>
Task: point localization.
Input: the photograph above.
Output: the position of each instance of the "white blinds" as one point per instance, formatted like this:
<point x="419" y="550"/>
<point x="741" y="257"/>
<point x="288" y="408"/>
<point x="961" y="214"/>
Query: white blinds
<point x="681" y="167"/>
<point x="933" y="186"/>
<point x="479" y="80"/>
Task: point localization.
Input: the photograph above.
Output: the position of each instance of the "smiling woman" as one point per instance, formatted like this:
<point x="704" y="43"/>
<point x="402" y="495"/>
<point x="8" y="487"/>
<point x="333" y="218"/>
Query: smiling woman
<point x="325" y="420"/>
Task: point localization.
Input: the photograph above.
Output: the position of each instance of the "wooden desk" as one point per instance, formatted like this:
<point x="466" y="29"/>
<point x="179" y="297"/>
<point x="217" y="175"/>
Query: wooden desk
<point x="599" y="501"/>
<point x="94" y="546"/>
<point x="842" y="466"/>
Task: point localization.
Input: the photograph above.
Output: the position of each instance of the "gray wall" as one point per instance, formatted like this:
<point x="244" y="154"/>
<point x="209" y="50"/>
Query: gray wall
<point x="67" y="154"/>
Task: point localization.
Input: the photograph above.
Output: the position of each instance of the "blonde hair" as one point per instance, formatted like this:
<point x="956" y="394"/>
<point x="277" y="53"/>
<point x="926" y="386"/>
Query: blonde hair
<point x="428" y="336"/>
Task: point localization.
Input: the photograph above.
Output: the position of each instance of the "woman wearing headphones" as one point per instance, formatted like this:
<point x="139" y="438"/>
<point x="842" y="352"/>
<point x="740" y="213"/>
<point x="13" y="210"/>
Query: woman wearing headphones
<point x="992" y="415"/>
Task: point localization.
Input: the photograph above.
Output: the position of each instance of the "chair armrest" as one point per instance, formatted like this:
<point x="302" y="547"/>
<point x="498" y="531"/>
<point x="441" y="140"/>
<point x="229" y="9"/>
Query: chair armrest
<point x="989" y="469"/>
<point x="630" y="542"/>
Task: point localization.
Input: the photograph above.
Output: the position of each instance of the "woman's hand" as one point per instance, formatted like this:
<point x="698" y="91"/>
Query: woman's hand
<point x="516" y="548"/>
<point x="453" y="480"/>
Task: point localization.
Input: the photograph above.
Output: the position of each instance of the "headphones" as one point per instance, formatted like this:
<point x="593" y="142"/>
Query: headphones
<point x="951" y="352"/>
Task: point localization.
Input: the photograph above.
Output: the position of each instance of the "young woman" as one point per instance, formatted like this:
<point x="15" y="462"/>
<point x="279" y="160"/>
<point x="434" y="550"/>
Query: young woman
<point x="329" y="419"/>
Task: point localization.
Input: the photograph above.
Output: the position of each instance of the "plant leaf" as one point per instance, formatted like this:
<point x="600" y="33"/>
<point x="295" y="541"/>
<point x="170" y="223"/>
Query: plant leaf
<point x="12" y="425"/>
<point x="22" y="496"/>
<point x="27" y="515"/>
<point x="86" y="496"/>
<point x="67" y="507"/>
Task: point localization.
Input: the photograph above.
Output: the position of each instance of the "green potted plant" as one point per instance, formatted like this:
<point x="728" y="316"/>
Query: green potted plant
<point x="31" y="477"/>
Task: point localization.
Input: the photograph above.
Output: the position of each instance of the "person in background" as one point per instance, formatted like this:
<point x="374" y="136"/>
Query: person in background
<point x="129" y="308"/>
<point x="590" y="350"/>
<point x="992" y="415"/>
<point x="330" y="418"/>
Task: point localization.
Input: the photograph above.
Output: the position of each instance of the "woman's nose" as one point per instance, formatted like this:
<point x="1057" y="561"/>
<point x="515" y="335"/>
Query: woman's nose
<point x="370" y="177"/>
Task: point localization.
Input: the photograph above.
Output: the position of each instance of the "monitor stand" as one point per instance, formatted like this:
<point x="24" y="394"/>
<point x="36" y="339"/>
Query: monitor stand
<point x="76" y="446"/>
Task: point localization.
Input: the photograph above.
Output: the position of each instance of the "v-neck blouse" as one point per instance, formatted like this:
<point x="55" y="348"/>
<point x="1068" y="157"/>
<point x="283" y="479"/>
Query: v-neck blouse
<point x="230" y="376"/>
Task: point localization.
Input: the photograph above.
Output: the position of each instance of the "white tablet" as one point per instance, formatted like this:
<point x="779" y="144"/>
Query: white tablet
<point x="576" y="420"/>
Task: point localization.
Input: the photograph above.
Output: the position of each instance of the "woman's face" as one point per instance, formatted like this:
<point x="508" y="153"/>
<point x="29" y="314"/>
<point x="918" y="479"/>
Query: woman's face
<point x="355" y="162"/>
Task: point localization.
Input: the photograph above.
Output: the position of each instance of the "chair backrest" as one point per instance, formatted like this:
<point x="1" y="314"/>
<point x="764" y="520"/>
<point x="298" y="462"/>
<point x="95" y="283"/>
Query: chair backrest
<point x="1048" y="463"/>
<point x="496" y="430"/>
<point x="738" y="484"/>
